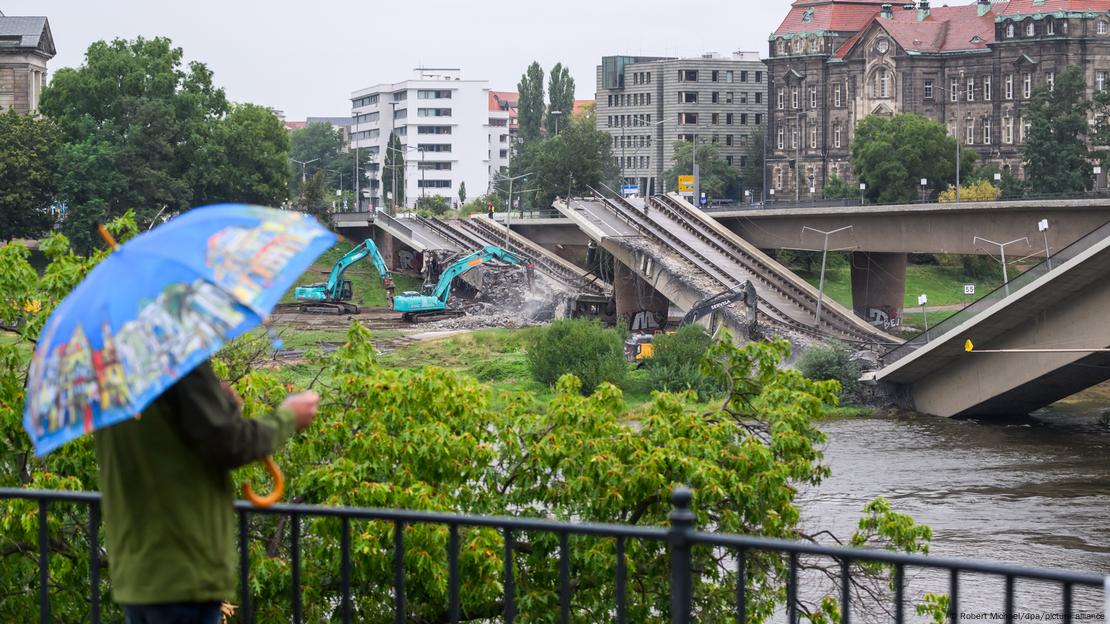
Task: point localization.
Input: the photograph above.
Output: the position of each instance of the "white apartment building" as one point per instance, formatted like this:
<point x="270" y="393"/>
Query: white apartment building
<point x="444" y="125"/>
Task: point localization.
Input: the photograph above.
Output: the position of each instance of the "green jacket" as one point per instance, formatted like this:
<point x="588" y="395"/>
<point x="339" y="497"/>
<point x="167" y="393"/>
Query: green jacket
<point x="167" y="491"/>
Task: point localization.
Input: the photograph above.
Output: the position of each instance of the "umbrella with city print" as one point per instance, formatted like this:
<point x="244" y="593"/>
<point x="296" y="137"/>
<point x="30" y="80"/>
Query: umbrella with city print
<point x="158" y="306"/>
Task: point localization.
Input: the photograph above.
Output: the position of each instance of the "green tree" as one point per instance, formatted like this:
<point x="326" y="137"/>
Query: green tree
<point x="314" y="197"/>
<point x="137" y="124"/>
<point x="1056" y="156"/>
<point x="393" y="170"/>
<point x="318" y="142"/>
<point x="435" y="204"/>
<point x="677" y="363"/>
<point x="578" y="158"/>
<point x="838" y="188"/>
<point x="835" y="362"/>
<point x="892" y="154"/>
<point x="530" y="105"/>
<point x="752" y="177"/>
<point x="560" y="95"/>
<point x="718" y="179"/>
<point x="462" y="194"/>
<point x="585" y="349"/>
<point x="29" y="150"/>
<point x="248" y="159"/>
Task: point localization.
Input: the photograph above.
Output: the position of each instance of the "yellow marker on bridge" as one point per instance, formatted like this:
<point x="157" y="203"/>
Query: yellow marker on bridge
<point x="970" y="347"/>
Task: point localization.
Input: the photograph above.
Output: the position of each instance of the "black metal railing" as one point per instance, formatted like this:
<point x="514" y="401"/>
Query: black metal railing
<point x="680" y="538"/>
<point x="1056" y="261"/>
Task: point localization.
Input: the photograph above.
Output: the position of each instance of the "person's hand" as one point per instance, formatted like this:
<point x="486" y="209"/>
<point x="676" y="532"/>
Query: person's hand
<point x="304" y="407"/>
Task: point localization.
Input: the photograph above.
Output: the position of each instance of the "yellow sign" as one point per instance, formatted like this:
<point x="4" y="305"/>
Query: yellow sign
<point x="685" y="184"/>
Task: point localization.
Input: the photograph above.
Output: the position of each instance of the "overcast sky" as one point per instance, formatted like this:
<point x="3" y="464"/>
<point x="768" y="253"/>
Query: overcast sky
<point x="305" y="58"/>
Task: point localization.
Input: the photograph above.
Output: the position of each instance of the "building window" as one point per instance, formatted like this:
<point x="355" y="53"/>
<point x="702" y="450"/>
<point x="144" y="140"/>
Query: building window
<point x="716" y="138"/>
<point x="728" y="97"/>
<point x="778" y="179"/>
<point x="813" y="97"/>
<point x="1008" y="130"/>
<point x="813" y="137"/>
<point x="836" y="95"/>
<point x="1049" y="27"/>
<point x="971" y="132"/>
<point x="688" y="97"/>
<point x="687" y="119"/>
<point x="728" y="140"/>
<point x="987" y="88"/>
<point x="728" y="119"/>
<point x="743" y="119"/>
<point x="1009" y="86"/>
<point x="743" y="162"/>
<point x="781" y="99"/>
<point x="433" y="112"/>
<point x="986" y="132"/>
<point x="1100" y="81"/>
<point x="715" y="118"/>
<point x="782" y="139"/>
<point x="836" y="136"/>
<point x="714" y="75"/>
<point x="758" y="119"/>
<point x="728" y="75"/>
<point x="928" y="90"/>
<point x="1026" y="126"/>
<point x="687" y="75"/>
<point x="1050" y="78"/>
<point x="759" y="76"/>
<point x="1101" y="27"/>
<point x="728" y="160"/>
<point x="433" y="94"/>
<point x="1027" y="86"/>
<point x="955" y="90"/>
<point x="794" y="98"/>
<point x="971" y="89"/>
<point x="433" y="130"/>
<point x="433" y="184"/>
<point x="743" y="75"/>
<point x="1030" y="30"/>
<point x="715" y="97"/>
<point x="434" y="166"/>
<point x="1009" y="30"/>
<point x="794" y="138"/>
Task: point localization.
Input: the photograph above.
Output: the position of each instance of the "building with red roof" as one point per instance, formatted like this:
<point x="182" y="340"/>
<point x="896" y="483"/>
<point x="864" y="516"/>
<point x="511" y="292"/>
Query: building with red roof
<point x="973" y="67"/>
<point x="502" y="129"/>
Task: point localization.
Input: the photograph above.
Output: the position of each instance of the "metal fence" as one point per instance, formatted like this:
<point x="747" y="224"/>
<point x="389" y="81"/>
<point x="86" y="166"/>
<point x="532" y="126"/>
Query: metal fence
<point x="1055" y="261"/>
<point x="680" y="537"/>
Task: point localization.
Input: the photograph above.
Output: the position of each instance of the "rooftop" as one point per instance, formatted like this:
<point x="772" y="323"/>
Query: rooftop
<point x="27" y="33"/>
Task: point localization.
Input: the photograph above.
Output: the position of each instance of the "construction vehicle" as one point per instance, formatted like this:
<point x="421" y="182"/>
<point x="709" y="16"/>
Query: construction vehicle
<point x="335" y="294"/>
<point x="639" y="346"/>
<point x="414" y="306"/>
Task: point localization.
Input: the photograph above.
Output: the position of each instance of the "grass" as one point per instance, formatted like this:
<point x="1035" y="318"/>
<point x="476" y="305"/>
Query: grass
<point x="366" y="284"/>
<point x="943" y="285"/>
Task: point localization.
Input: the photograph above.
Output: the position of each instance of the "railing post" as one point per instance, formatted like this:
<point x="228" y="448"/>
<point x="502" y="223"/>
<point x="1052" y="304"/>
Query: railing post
<point x="682" y="524"/>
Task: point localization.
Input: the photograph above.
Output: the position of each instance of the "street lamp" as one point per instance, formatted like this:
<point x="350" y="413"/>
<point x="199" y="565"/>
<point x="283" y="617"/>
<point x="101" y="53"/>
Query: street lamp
<point x="959" y="88"/>
<point x="1002" y="249"/>
<point x="557" y="114"/>
<point x="509" y="209"/>
<point x="862" y="188"/>
<point x="824" y="254"/>
<point x="303" y="164"/>
<point x="924" y="183"/>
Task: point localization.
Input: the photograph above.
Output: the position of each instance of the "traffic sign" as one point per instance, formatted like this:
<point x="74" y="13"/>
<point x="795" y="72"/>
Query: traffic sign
<point x="686" y="184"/>
<point x="702" y="200"/>
<point x="969" y="289"/>
<point x="922" y="300"/>
<point x="630" y="189"/>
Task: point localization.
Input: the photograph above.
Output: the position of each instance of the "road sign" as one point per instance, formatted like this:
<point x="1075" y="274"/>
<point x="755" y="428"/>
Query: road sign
<point x="686" y="184"/>
<point x="630" y="189"/>
<point x="703" y="200"/>
<point x="922" y="300"/>
<point x="969" y="289"/>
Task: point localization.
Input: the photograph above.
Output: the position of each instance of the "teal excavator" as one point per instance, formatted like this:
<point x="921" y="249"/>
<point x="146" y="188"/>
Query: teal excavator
<point x="335" y="294"/>
<point x="433" y="301"/>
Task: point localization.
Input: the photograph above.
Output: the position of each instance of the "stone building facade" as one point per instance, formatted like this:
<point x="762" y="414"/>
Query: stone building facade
<point x="972" y="67"/>
<point x="646" y="104"/>
<point x="26" y="46"/>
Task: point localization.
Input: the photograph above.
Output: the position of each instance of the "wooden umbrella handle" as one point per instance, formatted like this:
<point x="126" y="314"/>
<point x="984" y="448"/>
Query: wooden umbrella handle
<point x="279" y="486"/>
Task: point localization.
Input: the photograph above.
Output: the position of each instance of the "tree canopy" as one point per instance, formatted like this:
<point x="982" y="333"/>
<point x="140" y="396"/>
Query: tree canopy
<point x="718" y="179"/>
<point x="319" y="142"/>
<point x="578" y="158"/>
<point x="29" y="150"/>
<point x="560" y="95"/>
<point x="1056" y="156"/>
<point x="393" y="170"/>
<point x="892" y="154"/>
<point x="752" y="177"/>
<point x="144" y="131"/>
<point x="530" y="104"/>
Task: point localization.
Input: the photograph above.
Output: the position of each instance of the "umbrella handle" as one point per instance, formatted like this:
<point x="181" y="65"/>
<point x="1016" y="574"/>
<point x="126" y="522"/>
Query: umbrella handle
<point x="279" y="486"/>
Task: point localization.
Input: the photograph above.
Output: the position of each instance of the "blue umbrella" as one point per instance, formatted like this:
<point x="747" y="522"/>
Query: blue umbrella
<point x="157" y="307"/>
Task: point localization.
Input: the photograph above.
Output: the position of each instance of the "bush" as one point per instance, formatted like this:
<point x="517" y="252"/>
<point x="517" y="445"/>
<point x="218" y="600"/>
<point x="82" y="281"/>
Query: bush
<point x="582" y="348"/>
<point x="676" y="362"/>
<point x="821" y="363"/>
<point x="434" y="203"/>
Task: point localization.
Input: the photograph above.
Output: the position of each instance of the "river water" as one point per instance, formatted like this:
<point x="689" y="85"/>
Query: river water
<point x="1031" y="491"/>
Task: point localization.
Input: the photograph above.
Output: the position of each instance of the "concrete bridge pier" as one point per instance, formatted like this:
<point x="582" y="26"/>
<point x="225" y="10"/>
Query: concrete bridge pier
<point x="633" y="294"/>
<point x="387" y="246"/>
<point x="879" y="287"/>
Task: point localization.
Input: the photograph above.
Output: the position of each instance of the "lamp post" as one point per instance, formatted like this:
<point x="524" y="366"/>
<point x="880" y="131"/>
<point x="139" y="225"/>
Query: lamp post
<point x="824" y="255"/>
<point x="509" y="208"/>
<point x="862" y="188"/>
<point x="1042" y="226"/>
<point x="557" y="114"/>
<point x="1002" y="249"/>
<point x="303" y="164"/>
<point x="924" y="183"/>
<point x="959" y="88"/>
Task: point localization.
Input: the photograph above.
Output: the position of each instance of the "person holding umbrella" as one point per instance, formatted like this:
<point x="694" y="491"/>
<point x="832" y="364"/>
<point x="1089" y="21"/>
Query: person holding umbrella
<point x="126" y="356"/>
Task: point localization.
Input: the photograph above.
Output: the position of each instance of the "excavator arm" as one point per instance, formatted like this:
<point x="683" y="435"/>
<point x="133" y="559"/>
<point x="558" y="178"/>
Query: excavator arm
<point x="332" y="290"/>
<point x="413" y="305"/>
<point x="745" y="292"/>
